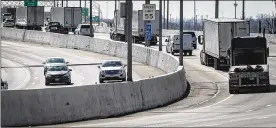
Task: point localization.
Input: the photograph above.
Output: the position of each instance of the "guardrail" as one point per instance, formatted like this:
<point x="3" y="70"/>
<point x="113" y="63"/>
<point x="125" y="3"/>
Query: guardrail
<point x="67" y="104"/>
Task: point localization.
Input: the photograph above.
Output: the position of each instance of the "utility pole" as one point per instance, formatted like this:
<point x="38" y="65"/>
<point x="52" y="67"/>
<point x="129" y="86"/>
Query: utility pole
<point x="164" y="15"/>
<point x="217" y="9"/>
<point x="181" y="34"/>
<point x="129" y="39"/>
<point x="106" y="9"/>
<point x="85" y="10"/>
<point x="194" y="14"/>
<point x="168" y="14"/>
<point x="61" y="3"/>
<point x="91" y="26"/>
<point x="235" y="5"/>
<point x="243" y="11"/>
<point x="66" y="3"/>
<point x="80" y="3"/>
<point x="115" y="16"/>
<point x="160" y="25"/>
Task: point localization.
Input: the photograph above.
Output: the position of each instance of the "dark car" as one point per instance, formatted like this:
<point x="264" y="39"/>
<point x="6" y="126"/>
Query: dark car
<point x="54" y="27"/>
<point x="4" y="85"/>
<point x="58" y="73"/>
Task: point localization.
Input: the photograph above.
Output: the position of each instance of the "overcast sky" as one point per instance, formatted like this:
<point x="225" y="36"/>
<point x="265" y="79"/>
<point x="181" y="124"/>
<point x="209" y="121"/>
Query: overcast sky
<point x="206" y="8"/>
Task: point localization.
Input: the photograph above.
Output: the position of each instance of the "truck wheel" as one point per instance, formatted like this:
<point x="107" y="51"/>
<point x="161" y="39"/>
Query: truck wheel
<point x="231" y="91"/>
<point x="190" y="53"/>
<point x="101" y="80"/>
<point x="172" y="52"/>
<point x="185" y="53"/>
<point x="216" y="64"/>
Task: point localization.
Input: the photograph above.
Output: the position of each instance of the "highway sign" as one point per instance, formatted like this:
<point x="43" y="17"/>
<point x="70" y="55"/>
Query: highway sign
<point x="148" y="32"/>
<point x="149" y="11"/>
<point x="84" y="11"/>
<point x="30" y="2"/>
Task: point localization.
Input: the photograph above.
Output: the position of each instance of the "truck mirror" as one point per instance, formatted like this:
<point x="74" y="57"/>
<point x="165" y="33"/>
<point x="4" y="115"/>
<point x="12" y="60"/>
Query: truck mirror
<point x="166" y="40"/>
<point x="200" y="39"/>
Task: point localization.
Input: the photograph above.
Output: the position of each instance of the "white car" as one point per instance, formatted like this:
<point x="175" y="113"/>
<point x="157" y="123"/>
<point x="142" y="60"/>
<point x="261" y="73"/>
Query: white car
<point x="84" y="29"/>
<point x="112" y="70"/>
<point x="52" y="60"/>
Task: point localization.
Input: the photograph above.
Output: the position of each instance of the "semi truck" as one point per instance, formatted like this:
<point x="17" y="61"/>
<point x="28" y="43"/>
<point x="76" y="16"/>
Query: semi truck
<point x="248" y="64"/>
<point x="68" y="17"/>
<point x="31" y="17"/>
<point x="216" y="39"/>
<point x="138" y="31"/>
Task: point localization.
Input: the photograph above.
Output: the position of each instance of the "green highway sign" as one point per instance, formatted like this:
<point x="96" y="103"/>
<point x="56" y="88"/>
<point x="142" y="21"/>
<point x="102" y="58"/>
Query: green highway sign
<point x="84" y="11"/>
<point x="96" y="19"/>
<point x="30" y="2"/>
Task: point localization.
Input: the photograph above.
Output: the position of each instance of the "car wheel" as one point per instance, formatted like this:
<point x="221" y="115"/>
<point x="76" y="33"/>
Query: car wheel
<point x="101" y="80"/>
<point x="69" y="82"/>
<point x="46" y="82"/>
<point x="124" y="79"/>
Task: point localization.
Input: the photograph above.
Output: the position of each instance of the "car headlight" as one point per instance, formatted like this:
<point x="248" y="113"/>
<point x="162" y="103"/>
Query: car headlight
<point x="103" y="72"/>
<point x="121" y="71"/>
<point x="48" y="75"/>
<point x="66" y="74"/>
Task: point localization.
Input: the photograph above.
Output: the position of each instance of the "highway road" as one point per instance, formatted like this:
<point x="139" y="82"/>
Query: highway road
<point x="209" y="103"/>
<point x="19" y="54"/>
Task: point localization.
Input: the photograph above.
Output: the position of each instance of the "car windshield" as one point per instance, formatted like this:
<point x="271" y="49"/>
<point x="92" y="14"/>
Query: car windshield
<point x="7" y="14"/>
<point x="85" y="26"/>
<point x="9" y="20"/>
<point x="58" y="68"/>
<point x="55" y="60"/>
<point x="112" y="64"/>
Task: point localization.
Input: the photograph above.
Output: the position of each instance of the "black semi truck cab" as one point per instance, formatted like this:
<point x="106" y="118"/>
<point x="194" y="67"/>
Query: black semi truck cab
<point x="248" y="63"/>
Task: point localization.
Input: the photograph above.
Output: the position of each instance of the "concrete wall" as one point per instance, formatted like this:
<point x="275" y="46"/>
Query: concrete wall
<point x="66" y="104"/>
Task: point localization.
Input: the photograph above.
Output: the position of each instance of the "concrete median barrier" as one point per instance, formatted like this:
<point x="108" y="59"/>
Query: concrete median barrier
<point x="67" y="104"/>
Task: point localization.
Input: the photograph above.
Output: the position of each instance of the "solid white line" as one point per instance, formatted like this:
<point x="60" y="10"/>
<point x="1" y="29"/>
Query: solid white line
<point x="36" y="77"/>
<point x="33" y="83"/>
<point x="249" y="111"/>
<point x="269" y="105"/>
<point x="264" y="117"/>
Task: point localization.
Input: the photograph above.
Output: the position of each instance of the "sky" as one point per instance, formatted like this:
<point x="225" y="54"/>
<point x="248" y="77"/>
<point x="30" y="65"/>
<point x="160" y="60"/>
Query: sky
<point x="205" y="8"/>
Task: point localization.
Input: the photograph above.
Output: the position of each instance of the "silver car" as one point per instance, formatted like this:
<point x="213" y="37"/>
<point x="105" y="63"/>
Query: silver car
<point x="8" y="23"/>
<point x="52" y="60"/>
<point x="112" y="70"/>
<point x="84" y="29"/>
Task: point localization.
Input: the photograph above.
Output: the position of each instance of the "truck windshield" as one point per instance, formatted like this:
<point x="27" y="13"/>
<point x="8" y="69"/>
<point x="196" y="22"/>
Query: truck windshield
<point x="249" y="56"/>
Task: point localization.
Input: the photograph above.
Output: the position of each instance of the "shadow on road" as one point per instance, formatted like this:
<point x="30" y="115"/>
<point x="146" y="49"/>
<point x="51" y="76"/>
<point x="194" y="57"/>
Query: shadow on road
<point x="258" y="90"/>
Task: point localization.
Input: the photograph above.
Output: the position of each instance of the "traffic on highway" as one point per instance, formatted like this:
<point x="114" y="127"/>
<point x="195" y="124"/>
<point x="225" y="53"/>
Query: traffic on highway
<point x="62" y="71"/>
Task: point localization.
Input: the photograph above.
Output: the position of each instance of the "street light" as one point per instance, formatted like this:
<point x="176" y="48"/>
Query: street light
<point x="235" y="5"/>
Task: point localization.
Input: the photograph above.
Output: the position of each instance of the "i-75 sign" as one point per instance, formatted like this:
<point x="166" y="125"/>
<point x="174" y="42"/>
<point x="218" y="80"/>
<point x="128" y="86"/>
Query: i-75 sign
<point x="149" y="11"/>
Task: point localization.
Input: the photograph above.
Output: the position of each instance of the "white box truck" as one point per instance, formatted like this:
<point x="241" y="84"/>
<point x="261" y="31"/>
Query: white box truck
<point x="68" y="17"/>
<point x="138" y="35"/>
<point x="31" y="17"/>
<point x="217" y="36"/>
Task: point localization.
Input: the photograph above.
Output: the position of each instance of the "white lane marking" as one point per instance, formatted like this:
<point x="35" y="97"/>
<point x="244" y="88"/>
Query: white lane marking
<point x="24" y="63"/>
<point x="13" y="59"/>
<point x="221" y="101"/>
<point x="273" y="75"/>
<point x="33" y="83"/>
<point x="209" y="125"/>
<point x="269" y="105"/>
<point x="80" y="83"/>
<point x="36" y="77"/>
<point x="83" y="78"/>
<point x="249" y="110"/>
<point x="82" y="73"/>
<point x="264" y="117"/>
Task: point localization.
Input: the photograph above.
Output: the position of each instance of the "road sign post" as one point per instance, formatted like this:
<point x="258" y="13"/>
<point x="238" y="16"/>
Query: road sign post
<point x="148" y="15"/>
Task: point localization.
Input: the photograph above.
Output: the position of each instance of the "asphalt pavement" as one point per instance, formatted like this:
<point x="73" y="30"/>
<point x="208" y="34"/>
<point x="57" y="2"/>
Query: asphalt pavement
<point x="208" y="105"/>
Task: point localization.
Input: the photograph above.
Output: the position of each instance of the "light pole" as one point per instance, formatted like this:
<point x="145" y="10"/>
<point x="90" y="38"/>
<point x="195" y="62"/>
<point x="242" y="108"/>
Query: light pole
<point x="217" y="9"/>
<point x="129" y="39"/>
<point x="243" y="11"/>
<point x="235" y="5"/>
<point x="194" y="14"/>
<point x="106" y="9"/>
<point x="181" y="34"/>
<point x="168" y="13"/>
<point x="91" y="18"/>
<point x="160" y="25"/>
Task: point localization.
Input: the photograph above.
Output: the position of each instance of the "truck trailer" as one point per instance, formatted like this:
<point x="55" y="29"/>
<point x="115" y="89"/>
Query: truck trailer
<point x="68" y="17"/>
<point x="138" y="31"/>
<point x="217" y="36"/>
<point x="248" y="64"/>
<point x="31" y="17"/>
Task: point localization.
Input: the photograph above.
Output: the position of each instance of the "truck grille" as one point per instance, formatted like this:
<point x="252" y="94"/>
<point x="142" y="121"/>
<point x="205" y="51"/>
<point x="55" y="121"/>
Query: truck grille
<point x="252" y="80"/>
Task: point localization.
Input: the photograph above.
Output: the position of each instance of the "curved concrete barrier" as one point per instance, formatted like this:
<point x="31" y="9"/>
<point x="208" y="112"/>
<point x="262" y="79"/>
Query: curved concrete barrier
<point x="67" y="104"/>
